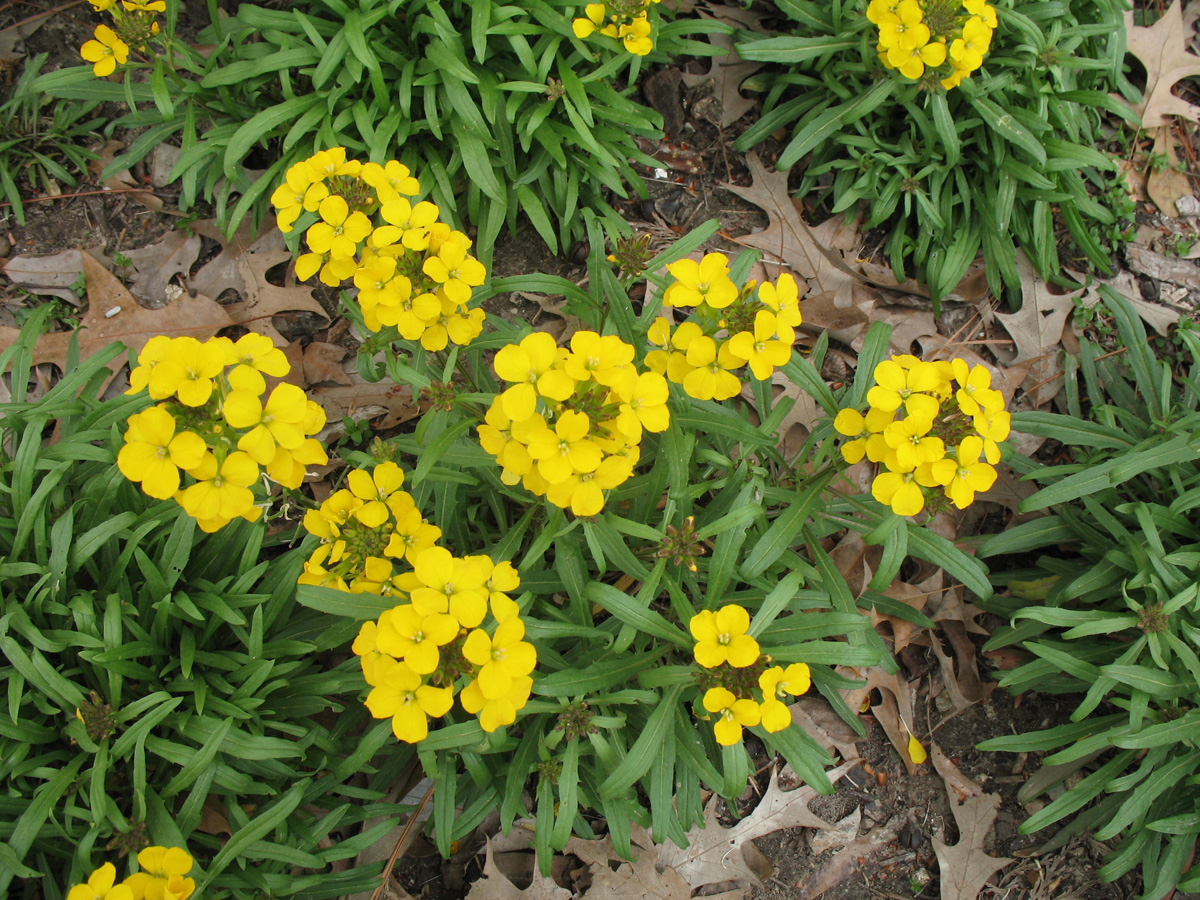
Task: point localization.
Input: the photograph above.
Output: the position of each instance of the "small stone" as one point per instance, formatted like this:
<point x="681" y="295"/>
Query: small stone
<point x="1188" y="206"/>
<point x="5" y="245"/>
<point x="1148" y="287"/>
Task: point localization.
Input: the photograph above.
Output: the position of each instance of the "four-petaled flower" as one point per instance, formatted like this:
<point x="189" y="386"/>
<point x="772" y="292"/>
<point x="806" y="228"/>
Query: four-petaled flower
<point x="721" y="637"/>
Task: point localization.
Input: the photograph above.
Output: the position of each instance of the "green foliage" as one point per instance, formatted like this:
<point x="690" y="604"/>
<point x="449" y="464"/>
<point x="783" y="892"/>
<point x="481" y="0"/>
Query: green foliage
<point x="995" y="163"/>
<point x="615" y="724"/>
<point x="499" y="107"/>
<point x="43" y="143"/>
<point x="158" y="679"/>
<point x="1111" y="608"/>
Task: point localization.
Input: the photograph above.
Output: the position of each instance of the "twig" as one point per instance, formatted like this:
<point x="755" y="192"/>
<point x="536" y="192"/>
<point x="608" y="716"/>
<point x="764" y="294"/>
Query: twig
<point x="400" y="844"/>
<point x="130" y="190"/>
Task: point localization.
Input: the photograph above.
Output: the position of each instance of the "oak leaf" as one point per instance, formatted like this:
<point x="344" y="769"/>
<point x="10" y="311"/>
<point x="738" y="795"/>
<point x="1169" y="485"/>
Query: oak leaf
<point x="714" y="853"/>
<point x="965" y="867"/>
<point x="129" y="323"/>
<point x="1162" y="48"/>
<point x="495" y="886"/>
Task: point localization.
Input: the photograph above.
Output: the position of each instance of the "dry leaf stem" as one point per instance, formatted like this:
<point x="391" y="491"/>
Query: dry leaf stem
<point x="401" y="843"/>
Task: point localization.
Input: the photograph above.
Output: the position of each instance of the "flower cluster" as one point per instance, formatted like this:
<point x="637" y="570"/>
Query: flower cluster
<point x="930" y="425"/>
<point x="915" y="34"/>
<point x="734" y="669"/>
<point x="365" y="531"/>
<point x="214" y="426"/>
<point x="162" y="877"/>
<point x="731" y="327"/>
<point x="570" y="426"/>
<point x="626" y="20"/>
<point x="416" y="654"/>
<point x="134" y="23"/>
<point x="413" y="273"/>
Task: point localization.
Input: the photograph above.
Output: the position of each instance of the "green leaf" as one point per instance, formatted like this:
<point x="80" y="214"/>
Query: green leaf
<point x="342" y="603"/>
<point x="645" y="749"/>
<point x="1002" y="123"/>
<point x="592" y="677"/>
<point x="259" y="128"/>
<point x="257" y="828"/>
<point x="784" y="530"/>
<point x="630" y="612"/>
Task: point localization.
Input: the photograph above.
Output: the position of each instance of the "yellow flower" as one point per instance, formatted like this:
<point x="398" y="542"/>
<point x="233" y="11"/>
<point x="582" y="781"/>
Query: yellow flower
<point x="910" y="444"/>
<point x="967" y="52"/>
<point x="710" y="378"/>
<point x="975" y="394"/>
<point x="151" y="6"/>
<point x="499" y="711"/>
<point x="584" y="492"/>
<point x="301" y="191"/>
<point x="532" y="366"/>
<point x="721" y="637"/>
<point x="732" y="714"/>
<point x="644" y="404"/>
<point x="992" y="427"/>
<point x="605" y="360"/>
<point x="636" y="36"/>
<point x="374" y="489"/>
<point x="595" y="15"/>
<point x="100" y="886"/>
<point x="153" y="453"/>
<point x="900" y="491"/>
<point x="456" y="271"/>
<point x="400" y="696"/>
<point x="367" y="651"/>
<point x="187" y="371"/>
<point x="965" y="474"/>
<point x="783" y="299"/>
<point x="795" y="680"/>
<point x="565" y="449"/>
<point x="339" y="231"/>
<point x="162" y="875"/>
<point x="390" y="180"/>
<point x="278" y="422"/>
<point x="706" y="282"/>
<point x="896" y="386"/>
<point x="762" y="349"/>
<point x="105" y="52"/>
<point x="406" y="634"/>
<point x="411" y="534"/>
<point x="912" y="61"/>
<point x="502" y="658"/>
<point x="221" y="491"/>
<point x="446" y="584"/>
<point x="903" y="28"/>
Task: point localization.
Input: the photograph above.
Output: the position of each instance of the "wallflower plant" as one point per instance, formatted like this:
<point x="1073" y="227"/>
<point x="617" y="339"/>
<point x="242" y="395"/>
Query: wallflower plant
<point x="956" y="125"/>
<point x="590" y="568"/>
<point x="509" y="110"/>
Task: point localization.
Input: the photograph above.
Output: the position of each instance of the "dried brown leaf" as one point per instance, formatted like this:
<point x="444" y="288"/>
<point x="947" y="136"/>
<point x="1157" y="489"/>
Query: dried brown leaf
<point x="51" y="274"/>
<point x="156" y="265"/>
<point x="640" y="879"/>
<point x="952" y="774"/>
<point x="965" y="867"/>
<point x="727" y="71"/>
<point x="850" y="859"/>
<point x="819" y="720"/>
<point x="894" y="712"/>
<point x="131" y="324"/>
<point x="1036" y="328"/>
<point x="1169" y="183"/>
<point x="495" y="886"/>
<point x="323" y="363"/>
<point x="1162" y="48"/>
<point x="713" y="854"/>
<point x="788" y="237"/>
